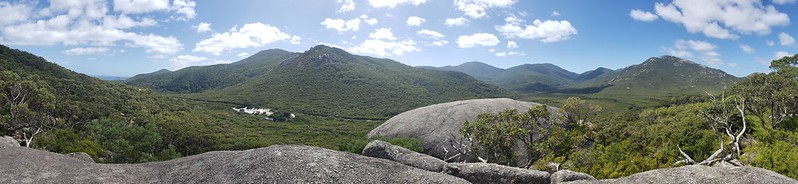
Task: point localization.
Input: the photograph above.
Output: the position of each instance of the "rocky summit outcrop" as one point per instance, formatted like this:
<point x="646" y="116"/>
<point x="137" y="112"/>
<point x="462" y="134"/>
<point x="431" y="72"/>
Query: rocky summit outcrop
<point x="485" y="173"/>
<point x="274" y="164"/>
<point x="435" y="124"/>
<point x="385" y="150"/>
<point x="563" y="176"/>
<point x="701" y="174"/>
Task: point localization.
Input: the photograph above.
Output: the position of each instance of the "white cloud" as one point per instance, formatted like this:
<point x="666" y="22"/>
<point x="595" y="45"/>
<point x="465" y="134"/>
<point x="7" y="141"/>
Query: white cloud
<point x="547" y="31"/>
<point x="341" y="25"/>
<point x="511" y="53"/>
<point x="88" y="9"/>
<point x="250" y="35"/>
<point x="459" y="21"/>
<point x="780" y="54"/>
<point x="383" y="43"/>
<point x="415" y="21"/>
<point x="370" y="21"/>
<point x="685" y="49"/>
<point x="435" y="38"/>
<point x="785" y="39"/>
<point x="747" y="48"/>
<point x="477" y="39"/>
<point x="555" y="13"/>
<point x="295" y="40"/>
<point x="185" y="8"/>
<point x="393" y="3"/>
<point x="86" y="51"/>
<point x="125" y="22"/>
<point x="61" y="29"/>
<point x="203" y="27"/>
<point x="644" y="16"/>
<point x="183" y="61"/>
<point x="744" y="16"/>
<point x="347" y="5"/>
<point x="783" y="2"/>
<point x="13" y="13"/>
<point x="512" y="45"/>
<point x="382" y="33"/>
<point x="140" y="6"/>
<point x="478" y="8"/>
<point x="243" y="54"/>
<point x="770" y="43"/>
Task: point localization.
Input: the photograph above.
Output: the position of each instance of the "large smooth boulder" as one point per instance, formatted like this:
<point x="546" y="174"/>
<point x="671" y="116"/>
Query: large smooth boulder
<point x="7" y="141"/>
<point x="435" y="124"/>
<point x="274" y="164"/>
<point x="385" y="150"/>
<point x="701" y="174"/>
<point x="487" y="173"/>
<point x="563" y="176"/>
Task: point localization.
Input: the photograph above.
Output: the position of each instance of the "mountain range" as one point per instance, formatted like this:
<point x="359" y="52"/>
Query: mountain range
<point x="656" y="76"/>
<point x="321" y="81"/>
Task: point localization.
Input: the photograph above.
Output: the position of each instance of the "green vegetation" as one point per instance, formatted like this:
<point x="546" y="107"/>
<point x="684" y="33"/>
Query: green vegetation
<point x="331" y="82"/>
<point x="621" y="143"/>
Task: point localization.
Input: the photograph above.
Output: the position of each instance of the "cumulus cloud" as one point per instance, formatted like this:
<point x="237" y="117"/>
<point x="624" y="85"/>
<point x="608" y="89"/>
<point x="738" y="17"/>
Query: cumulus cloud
<point x="644" y="16"/>
<point x="393" y="3"/>
<point x="434" y="38"/>
<point x="780" y="54"/>
<point x="686" y="48"/>
<point x="707" y="16"/>
<point x="382" y="43"/>
<point x="243" y="54"/>
<point x="184" y="9"/>
<point x="555" y="13"/>
<point x="478" y="8"/>
<point x="459" y="21"/>
<point x="13" y="13"/>
<point x="370" y="21"/>
<point x="770" y="43"/>
<point x="250" y="35"/>
<point x="747" y="48"/>
<point x="347" y="5"/>
<point x="341" y="25"/>
<point x="785" y="39"/>
<point x="183" y="61"/>
<point x="512" y="45"/>
<point x="382" y="33"/>
<point x="477" y="39"/>
<point x="125" y="22"/>
<point x="86" y="51"/>
<point x="547" y="31"/>
<point x="140" y="6"/>
<point x="415" y="21"/>
<point x="510" y="53"/>
<point x="203" y="27"/>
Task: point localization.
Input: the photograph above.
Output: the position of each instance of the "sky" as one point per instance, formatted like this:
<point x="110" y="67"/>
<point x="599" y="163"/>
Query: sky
<point x="128" y="37"/>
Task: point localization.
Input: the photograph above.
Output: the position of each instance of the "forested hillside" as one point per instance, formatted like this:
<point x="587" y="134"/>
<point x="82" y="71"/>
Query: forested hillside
<point x="49" y="107"/>
<point x="325" y="81"/>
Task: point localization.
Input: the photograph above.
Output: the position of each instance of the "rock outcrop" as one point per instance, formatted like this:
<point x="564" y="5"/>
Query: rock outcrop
<point x="274" y="164"/>
<point x="485" y="173"/>
<point x="7" y="141"/>
<point x="701" y="174"/>
<point x="385" y="150"/>
<point x="81" y="156"/>
<point x="435" y="124"/>
<point x="563" y="176"/>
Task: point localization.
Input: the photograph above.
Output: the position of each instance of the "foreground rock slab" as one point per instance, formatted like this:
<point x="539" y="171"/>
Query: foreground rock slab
<point x="485" y="173"/>
<point x="435" y="124"/>
<point x="563" y="176"/>
<point x="274" y="164"/>
<point x="701" y="174"/>
<point x="385" y="150"/>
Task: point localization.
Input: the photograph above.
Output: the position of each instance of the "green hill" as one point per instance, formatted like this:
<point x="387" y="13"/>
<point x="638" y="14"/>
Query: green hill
<point x="324" y="81"/>
<point x="662" y="77"/>
<point x="544" y="77"/>
<point x="202" y="78"/>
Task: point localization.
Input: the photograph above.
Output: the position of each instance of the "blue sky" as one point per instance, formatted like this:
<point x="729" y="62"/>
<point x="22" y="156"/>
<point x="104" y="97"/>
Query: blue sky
<point x="129" y="37"/>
